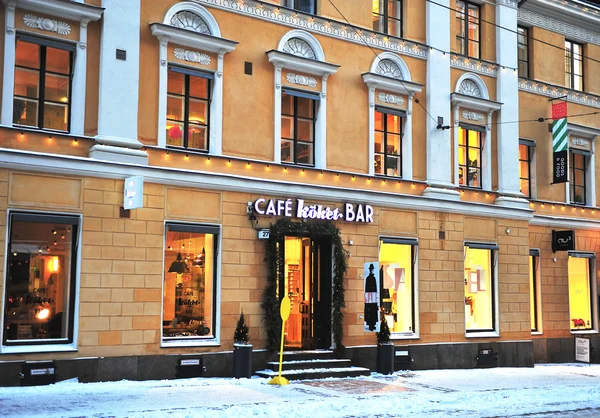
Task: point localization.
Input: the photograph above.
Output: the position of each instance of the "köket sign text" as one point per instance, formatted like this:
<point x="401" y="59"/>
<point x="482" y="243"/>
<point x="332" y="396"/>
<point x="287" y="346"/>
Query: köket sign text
<point x="276" y="207"/>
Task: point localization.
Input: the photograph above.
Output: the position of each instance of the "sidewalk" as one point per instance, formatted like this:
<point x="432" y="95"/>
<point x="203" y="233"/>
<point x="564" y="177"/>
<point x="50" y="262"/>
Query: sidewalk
<point x="543" y="391"/>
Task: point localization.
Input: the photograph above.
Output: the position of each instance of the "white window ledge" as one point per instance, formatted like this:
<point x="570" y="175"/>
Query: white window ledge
<point x="475" y="103"/>
<point x="391" y="84"/>
<point x="49" y="348"/>
<point x="305" y="65"/>
<point x="537" y="333"/>
<point x="589" y="331"/>
<point x="191" y="39"/>
<point x="404" y="336"/>
<point x="486" y="334"/>
<point x="191" y="343"/>
<point x="66" y="9"/>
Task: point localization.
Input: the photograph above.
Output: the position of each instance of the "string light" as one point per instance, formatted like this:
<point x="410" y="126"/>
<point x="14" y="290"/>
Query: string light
<point x="187" y="156"/>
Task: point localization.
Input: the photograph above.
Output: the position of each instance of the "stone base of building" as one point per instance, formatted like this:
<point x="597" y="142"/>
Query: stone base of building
<point x="562" y="350"/>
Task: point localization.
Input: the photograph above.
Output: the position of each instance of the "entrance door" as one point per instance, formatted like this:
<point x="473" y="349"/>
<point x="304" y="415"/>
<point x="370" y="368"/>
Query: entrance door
<point x="306" y="280"/>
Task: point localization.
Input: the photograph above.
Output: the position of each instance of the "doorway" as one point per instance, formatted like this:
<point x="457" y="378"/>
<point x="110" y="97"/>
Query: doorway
<point x="306" y="280"/>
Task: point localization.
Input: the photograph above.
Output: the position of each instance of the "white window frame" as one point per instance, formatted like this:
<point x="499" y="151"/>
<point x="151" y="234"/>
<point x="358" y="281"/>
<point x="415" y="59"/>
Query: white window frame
<point x="211" y="43"/>
<point x="44" y="348"/>
<point x="80" y="12"/>
<point x="586" y="133"/>
<point x="317" y="67"/>
<point x="404" y="86"/>
<point x="484" y="104"/>
<point x="593" y="291"/>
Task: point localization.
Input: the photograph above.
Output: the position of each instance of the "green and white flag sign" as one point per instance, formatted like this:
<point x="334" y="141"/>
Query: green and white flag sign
<point x="560" y="145"/>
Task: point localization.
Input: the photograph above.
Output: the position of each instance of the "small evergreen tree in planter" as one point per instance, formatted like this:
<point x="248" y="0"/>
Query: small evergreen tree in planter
<point x="242" y="350"/>
<point x="385" y="350"/>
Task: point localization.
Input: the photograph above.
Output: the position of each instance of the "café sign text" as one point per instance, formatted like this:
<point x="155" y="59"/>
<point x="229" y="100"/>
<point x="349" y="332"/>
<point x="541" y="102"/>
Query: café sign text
<point x="277" y="207"/>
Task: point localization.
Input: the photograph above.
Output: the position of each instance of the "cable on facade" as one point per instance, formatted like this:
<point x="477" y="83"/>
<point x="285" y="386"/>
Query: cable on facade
<point x="546" y="119"/>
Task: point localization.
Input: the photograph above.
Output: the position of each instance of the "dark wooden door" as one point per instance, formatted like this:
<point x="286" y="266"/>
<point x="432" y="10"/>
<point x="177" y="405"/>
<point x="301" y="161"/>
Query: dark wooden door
<point x="321" y="293"/>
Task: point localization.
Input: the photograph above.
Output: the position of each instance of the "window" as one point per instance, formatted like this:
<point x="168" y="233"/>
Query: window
<point x="573" y="65"/>
<point x="525" y="153"/>
<point x="387" y="17"/>
<point x="480" y="310"/>
<point x="577" y="179"/>
<point x="534" y="290"/>
<point x="396" y="264"/>
<point x="306" y="6"/>
<point x="388" y="142"/>
<point x="42" y="91"/>
<point x="467" y="20"/>
<point x="470" y="147"/>
<point x="40" y="280"/>
<point x="580" y="291"/>
<point x="298" y="111"/>
<point x="189" y="300"/>
<point x="523" y="51"/>
<point x="188" y="103"/>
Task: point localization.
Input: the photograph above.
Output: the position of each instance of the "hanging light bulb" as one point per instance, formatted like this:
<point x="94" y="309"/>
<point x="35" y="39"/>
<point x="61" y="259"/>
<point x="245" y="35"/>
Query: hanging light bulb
<point x="199" y="259"/>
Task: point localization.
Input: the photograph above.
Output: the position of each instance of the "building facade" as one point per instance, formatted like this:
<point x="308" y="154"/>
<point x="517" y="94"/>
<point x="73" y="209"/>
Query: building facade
<point x="421" y="130"/>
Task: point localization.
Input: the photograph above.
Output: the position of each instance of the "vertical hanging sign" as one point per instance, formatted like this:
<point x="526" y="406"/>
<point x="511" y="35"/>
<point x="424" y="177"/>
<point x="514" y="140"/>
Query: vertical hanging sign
<point x="133" y="192"/>
<point x="371" y="312"/>
<point x="560" y="142"/>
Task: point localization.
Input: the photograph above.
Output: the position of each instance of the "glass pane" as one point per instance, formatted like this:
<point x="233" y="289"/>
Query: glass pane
<point x="532" y="294"/>
<point x="579" y="177"/>
<point x="578" y="160"/>
<point x="198" y="112"/>
<point x="27" y="83"/>
<point x="27" y="54"/>
<point x="474" y="177"/>
<point x="392" y="166"/>
<point x="197" y="137"/>
<point x="56" y="116"/>
<point x="306" y="6"/>
<point x="378" y="121"/>
<point x="461" y="175"/>
<point x="377" y="6"/>
<point x="394" y="27"/>
<point x="577" y="83"/>
<point x="305" y="130"/>
<point x="525" y="187"/>
<point x="198" y="87"/>
<point x="287" y="127"/>
<point x="395" y="263"/>
<point x="58" y="60"/>
<point x="393" y="144"/>
<point x="474" y="139"/>
<point x="473" y="49"/>
<point x="462" y="136"/>
<point x="580" y="307"/>
<point x="474" y="157"/>
<point x="287" y="151"/>
<point x="305" y="153"/>
<point x="305" y="107"/>
<point x="189" y="273"/>
<point x="378" y="141"/>
<point x="393" y="123"/>
<point x="462" y="155"/>
<point x="524" y="169"/>
<point x="287" y="104"/>
<point x="523" y="152"/>
<point x="578" y="195"/>
<point x="378" y="164"/>
<point x="57" y="88"/>
<point x="175" y="133"/>
<point x="478" y="290"/>
<point x="175" y="107"/>
<point x="175" y="83"/>
<point x="378" y="23"/>
<point x="38" y="284"/>
<point x="25" y="112"/>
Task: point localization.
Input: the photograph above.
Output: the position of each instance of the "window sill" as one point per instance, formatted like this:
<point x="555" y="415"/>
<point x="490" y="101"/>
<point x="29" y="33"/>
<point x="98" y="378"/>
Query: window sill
<point x="485" y="334"/>
<point x="587" y="331"/>
<point x="537" y="333"/>
<point x="191" y="343"/>
<point x="50" y="348"/>
<point x="475" y="189"/>
<point x="403" y="336"/>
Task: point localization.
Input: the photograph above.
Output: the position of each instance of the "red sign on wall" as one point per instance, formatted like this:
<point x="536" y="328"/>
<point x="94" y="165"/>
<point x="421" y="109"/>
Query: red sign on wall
<point x="559" y="110"/>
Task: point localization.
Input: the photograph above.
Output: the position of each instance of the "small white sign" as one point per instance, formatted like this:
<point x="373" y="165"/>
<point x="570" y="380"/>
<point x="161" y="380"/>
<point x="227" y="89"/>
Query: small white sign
<point x="191" y="362"/>
<point x="582" y="350"/>
<point x="40" y="372"/>
<point x="264" y="234"/>
<point x="133" y="192"/>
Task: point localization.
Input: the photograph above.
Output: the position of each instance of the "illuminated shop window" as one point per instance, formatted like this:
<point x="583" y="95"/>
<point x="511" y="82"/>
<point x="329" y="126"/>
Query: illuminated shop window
<point x="480" y="307"/>
<point x="387" y="17"/>
<point x="534" y="290"/>
<point x="298" y="110"/>
<point x="470" y="152"/>
<point x="580" y="291"/>
<point x="396" y="263"/>
<point x="388" y="141"/>
<point x="40" y="279"/>
<point x="189" y="306"/>
<point x="42" y="94"/>
<point x="188" y="103"/>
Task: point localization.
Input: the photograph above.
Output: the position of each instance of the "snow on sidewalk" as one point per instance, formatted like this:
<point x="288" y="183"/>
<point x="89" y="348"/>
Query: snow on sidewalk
<point x="545" y="389"/>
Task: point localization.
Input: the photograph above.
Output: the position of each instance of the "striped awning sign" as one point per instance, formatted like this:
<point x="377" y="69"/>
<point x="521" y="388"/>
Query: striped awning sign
<point x="560" y="135"/>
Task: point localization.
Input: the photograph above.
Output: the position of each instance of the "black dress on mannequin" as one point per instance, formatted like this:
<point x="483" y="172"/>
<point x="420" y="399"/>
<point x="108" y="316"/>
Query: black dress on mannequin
<point x="371" y="311"/>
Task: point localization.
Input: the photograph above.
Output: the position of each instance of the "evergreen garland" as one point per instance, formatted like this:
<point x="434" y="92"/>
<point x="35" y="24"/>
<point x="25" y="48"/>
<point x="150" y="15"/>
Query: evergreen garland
<point x="270" y="302"/>
<point x="241" y="331"/>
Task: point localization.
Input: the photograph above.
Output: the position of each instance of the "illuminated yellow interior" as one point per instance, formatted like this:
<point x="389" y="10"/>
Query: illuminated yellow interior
<point x="580" y="308"/>
<point x="478" y="290"/>
<point x="395" y="262"/>
<point x="532" y="289"/>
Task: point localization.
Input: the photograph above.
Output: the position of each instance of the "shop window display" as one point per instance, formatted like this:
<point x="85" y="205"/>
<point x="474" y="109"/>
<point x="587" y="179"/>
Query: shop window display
<point x="40" y="279"/>
<point x="479" y="290"/>
<point x="580" y="291"/>
<point x="189" y="282"/>
<point x="397" y="285"/>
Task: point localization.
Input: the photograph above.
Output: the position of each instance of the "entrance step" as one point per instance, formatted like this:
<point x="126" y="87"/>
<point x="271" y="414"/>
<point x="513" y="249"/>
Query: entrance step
<point x="318" y="364"/>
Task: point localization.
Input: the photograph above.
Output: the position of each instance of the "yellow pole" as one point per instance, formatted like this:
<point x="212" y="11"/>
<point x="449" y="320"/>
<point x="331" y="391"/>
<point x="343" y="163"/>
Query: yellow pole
<point x="284" y="310"/>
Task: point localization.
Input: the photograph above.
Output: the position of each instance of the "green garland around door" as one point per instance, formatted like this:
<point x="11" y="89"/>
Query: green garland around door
<point x="270" y="303"/>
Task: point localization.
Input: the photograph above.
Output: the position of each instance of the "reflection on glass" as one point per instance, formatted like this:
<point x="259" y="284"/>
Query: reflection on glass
<point x="580" y="306"/>
<point x="478" y="290"/>
<point x="396" y="274"/>
<point x="297" y="129"/>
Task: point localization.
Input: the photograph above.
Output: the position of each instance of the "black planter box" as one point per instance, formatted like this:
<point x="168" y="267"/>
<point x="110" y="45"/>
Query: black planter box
<point x="385" y="358"/>
<point x="242" y="360"/>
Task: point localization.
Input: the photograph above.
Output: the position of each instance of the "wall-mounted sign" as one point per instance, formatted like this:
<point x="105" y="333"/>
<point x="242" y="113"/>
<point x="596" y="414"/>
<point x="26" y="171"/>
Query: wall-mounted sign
<point x="264" y="234"/>
<point x="371" y="312"/>
<point x="297" y="209"/>
<point x="563" y="240"/>
<point x="133" y="193"/>
<point x="582" y="350"/>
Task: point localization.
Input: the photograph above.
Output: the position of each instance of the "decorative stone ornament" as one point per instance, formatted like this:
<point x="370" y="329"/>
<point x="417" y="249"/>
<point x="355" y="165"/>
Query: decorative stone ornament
<point x="469" y="88"/>
<point x="301" y="80"/>
<point x="300" y="48"/>
<point x="389" y="68"/>
<point x="191" y="56"/>
<point x="50" y="25"/>
<point x="390" y="98"/>
<point x="190" y="21"/>
<point x="478" y="117"/>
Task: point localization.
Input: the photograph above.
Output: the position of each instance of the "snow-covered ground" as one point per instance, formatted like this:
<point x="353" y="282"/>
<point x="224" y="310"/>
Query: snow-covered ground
<point x="566" y="390"/>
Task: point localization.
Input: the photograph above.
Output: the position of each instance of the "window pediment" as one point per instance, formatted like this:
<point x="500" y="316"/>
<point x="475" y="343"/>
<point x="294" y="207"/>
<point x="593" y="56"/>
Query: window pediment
<point x="69" y="10"/>
<point x="191" y="39"/>
<point x="305" y="65"/>
<point x="475" y="103"/>
<point x="393" y="85"/>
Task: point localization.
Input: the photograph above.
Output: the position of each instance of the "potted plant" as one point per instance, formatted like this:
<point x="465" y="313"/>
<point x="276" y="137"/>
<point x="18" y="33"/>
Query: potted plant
<point x="385" y="350"/>
<point x="242" y="350"/>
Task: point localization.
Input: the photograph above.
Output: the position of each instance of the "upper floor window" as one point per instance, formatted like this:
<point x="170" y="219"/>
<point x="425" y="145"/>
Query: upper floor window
<point x="470" y="147"/>
<point x="525" y="154"/>
<point x="577" y="179"/>
<point x="306" y="6"/>
<point x="523" y="51"/>
<point x="573" y="65"/>
<point x="388" y="141"/>
<point x="298" y="127"/>
<point x="468" y="33"/>
<point x="188" y="103"/>
<point x="42" y="90"/>
<point x="387" y="17"/>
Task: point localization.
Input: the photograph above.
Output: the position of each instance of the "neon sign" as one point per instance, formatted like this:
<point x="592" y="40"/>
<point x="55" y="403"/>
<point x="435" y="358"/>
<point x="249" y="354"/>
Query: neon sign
<point x="278" y="207"/>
